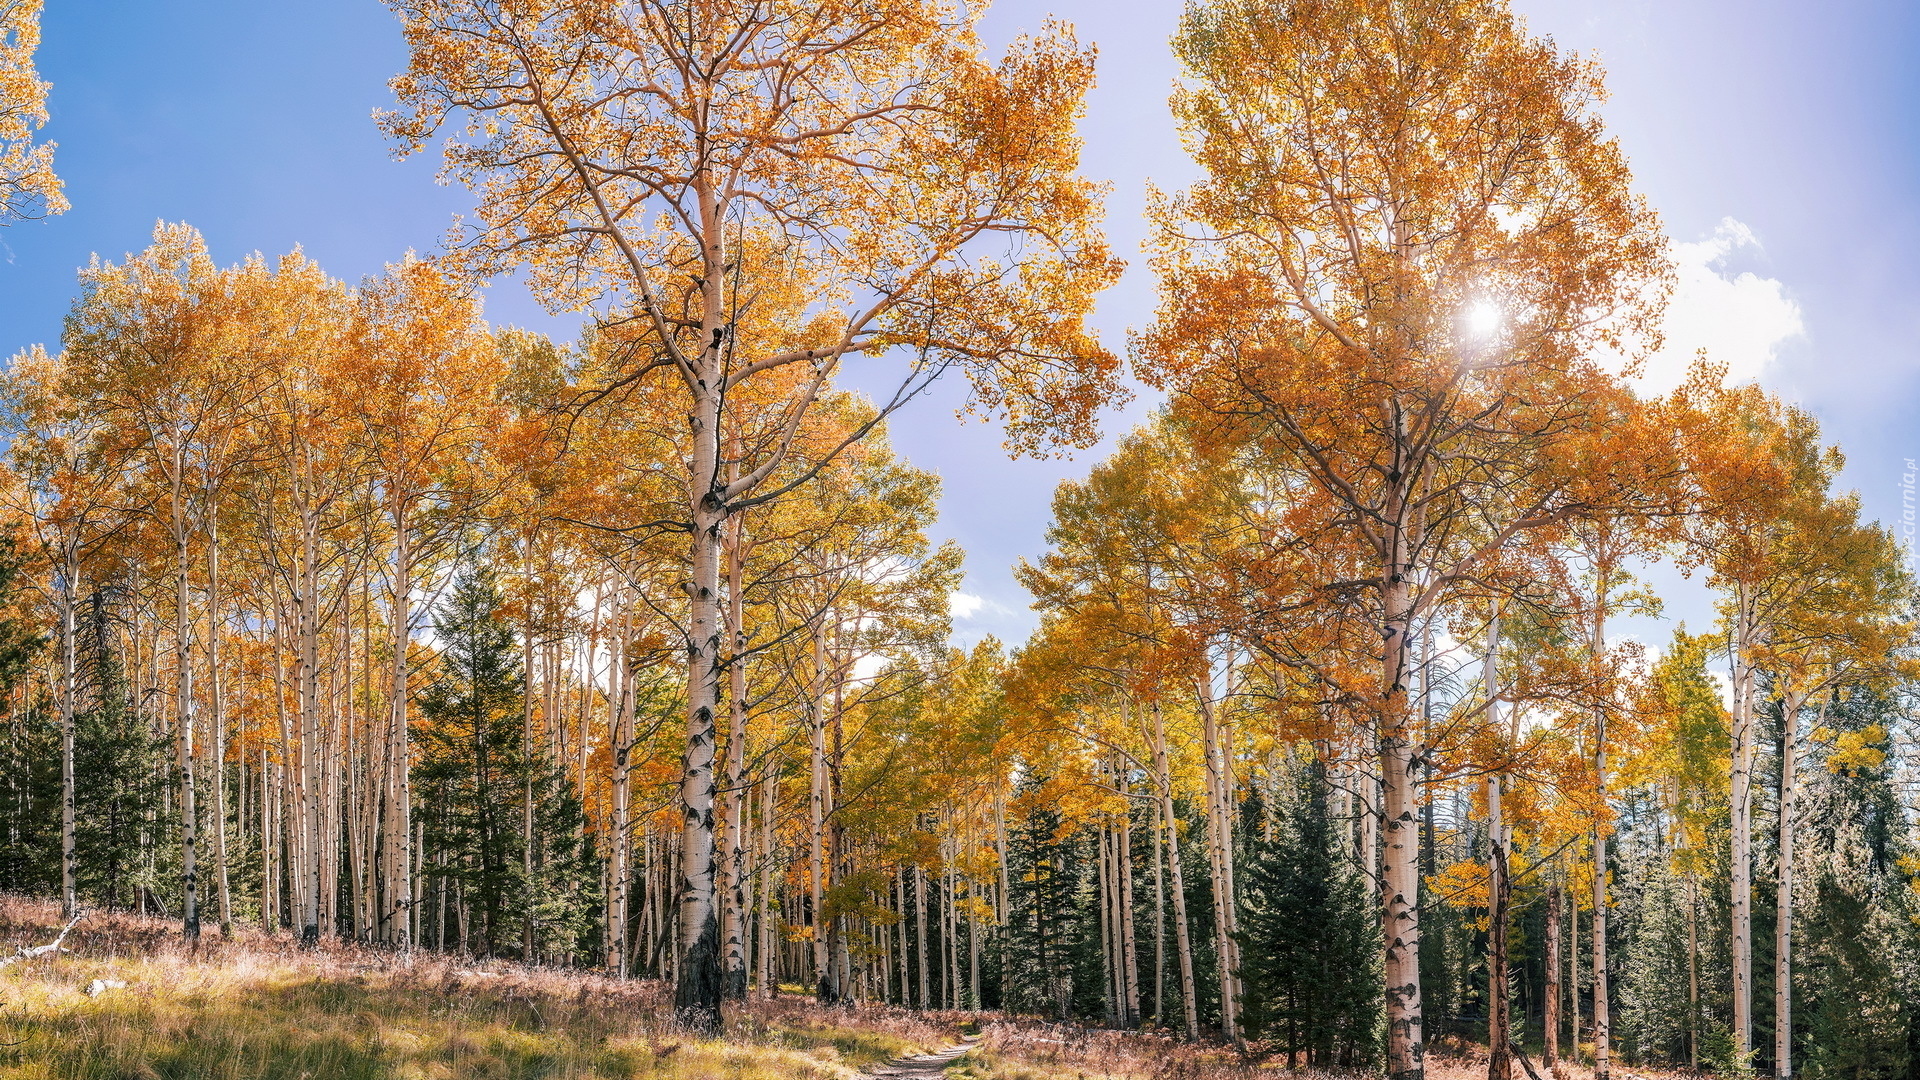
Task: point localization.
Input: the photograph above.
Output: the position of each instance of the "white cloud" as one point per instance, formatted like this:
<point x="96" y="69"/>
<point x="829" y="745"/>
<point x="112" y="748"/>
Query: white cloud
<point x="962" y="605"/>
<point x="1740" y="320"/>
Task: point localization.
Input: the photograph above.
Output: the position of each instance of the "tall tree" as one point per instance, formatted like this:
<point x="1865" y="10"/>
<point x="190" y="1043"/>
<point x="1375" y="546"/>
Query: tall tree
<point x="147" y="344"/>
<point x="844" y="173"/>
<point x="1846" y="624"/>
<point x="1756" y="467"/>
<point x="1410" y="206"/>
<point x="425" y="374"/>
<point x="72" y="486"/>
<point x="475" y="762"/>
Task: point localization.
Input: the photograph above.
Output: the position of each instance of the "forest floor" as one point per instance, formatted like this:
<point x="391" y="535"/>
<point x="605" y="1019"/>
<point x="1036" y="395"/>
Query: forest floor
<point x="127" y="1000"/>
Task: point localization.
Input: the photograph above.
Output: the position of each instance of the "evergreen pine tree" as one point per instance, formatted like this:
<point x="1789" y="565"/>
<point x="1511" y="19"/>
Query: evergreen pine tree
<point x="1041" y="954"/>
<point x="1652" y="1022"/>
<point x="1309" y="937"/>
<point x="473" y="772"/>
<point x="120" y="773"/>
<point x="1855" y="947"/>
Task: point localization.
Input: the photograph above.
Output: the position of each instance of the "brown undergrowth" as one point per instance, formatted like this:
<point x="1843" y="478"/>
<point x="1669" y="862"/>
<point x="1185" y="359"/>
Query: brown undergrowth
<point x="263" y="1007"/>
<point x="1033" y="1050"/>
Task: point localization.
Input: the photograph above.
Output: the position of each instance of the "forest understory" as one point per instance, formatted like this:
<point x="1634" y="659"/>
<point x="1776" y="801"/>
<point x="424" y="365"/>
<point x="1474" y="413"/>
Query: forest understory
<point x="125" y="997"/>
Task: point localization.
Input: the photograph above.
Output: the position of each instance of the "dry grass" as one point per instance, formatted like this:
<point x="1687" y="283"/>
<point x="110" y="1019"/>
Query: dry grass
<point x="259" y="1007"/>
<point x="1031" y="1050"/>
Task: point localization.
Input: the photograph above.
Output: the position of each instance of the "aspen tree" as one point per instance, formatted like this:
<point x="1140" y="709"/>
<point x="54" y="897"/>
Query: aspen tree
<point x="146" y="342"/>
<point x="1755" y="465"/>
<point x="1550" y="999"/>
<point x="424" y="376"/>
<point x="297" y="501"/>
<point x="1499" y="1037"/>
<point x="28" y="186"/>
<point x="1311" y="271"/>
<point x="671" y="164"/>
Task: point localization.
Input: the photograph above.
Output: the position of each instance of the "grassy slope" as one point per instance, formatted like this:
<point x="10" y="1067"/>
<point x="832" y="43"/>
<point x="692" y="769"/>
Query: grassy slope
<point x="262" y="1008"/>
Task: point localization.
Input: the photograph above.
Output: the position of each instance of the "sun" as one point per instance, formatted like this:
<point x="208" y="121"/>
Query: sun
<point x="1484" y="319"/>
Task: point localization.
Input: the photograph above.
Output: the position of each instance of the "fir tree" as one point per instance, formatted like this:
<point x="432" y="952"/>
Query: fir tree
<point x="120" y="773"/>
<point x="1653" y="1022"/>
<point x="1042" y="953"/>
<point x="1309" y="937"/>
<point x="474" y="770"/>
<point x="1854" y="1011"/>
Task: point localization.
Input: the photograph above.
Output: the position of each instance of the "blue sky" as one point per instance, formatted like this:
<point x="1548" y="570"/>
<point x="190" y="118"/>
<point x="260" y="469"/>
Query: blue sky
<point x="1780" y="141"/>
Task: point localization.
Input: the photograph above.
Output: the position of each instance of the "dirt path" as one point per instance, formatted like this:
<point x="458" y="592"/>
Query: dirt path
<point x="925" y="1066"/>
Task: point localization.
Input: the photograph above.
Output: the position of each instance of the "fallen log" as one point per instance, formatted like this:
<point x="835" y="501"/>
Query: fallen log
<point x="35" y="951"/>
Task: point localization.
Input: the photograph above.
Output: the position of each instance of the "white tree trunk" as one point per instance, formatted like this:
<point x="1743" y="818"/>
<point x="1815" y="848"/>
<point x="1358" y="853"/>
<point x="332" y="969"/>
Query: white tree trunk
<point x="69" y="671"/>
<point x="1400" y="858"/>
<point x="733" y="862"/>
<point x="1783" y="905"/>
<point x="1741" y="821"/>
<point x="1216" y="744"/>
<point x="1183" y="942"/>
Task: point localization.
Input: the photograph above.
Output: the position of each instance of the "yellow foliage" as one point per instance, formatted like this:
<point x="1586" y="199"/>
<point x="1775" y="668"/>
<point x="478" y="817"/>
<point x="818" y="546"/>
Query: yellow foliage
<point x="1463" y="885"/>
<point x="1853" y="752"/>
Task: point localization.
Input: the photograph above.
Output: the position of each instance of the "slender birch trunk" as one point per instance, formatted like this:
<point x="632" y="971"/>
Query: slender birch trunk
<point x="1215" y="744"/>
<point x="313" y="766"/>
<point x="398" y="818"/>
<point x="270" y="828"/>
<point x="1783" y="904"/>
<point x="769" y="911"/>
<point x="1163" y="777"/>
<point x="69" y="672"/>
<point x="1159" y="924"/>
<point x="817" y="811"/>
<point x="973" y="959"/>
<point x="949" y="933"/>
<point x="620" y="733"/>
<point x="923" y="997"/>
<point x="1400" y="877"/>
<point x="1573" y="971"/>
<point x="530" y="756"/>
<point x="1602" y="1015"/>
<point x="216" y="707"/>
<point x="1110" y="929"/>
<point x="1741" y="822"/>
<point x="1000" y="852"/>
<point x="733" y="984"/>
<point x="1129" y="958"/>
<point x="183" y="713"/>
<point x="900" y="934"/>
<point x="1499" y="1053"/>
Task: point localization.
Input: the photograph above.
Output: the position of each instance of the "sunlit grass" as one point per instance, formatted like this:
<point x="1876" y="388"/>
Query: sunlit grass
<point x="260" y="1007"/>
<point x="263" y="1008"/>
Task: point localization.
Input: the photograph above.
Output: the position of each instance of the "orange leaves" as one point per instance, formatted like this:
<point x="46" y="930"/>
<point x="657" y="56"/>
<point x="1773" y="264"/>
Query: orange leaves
<point x="855" y="160"/>
<point x="1379" y="304"/>
<point x="28" y="186"/>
